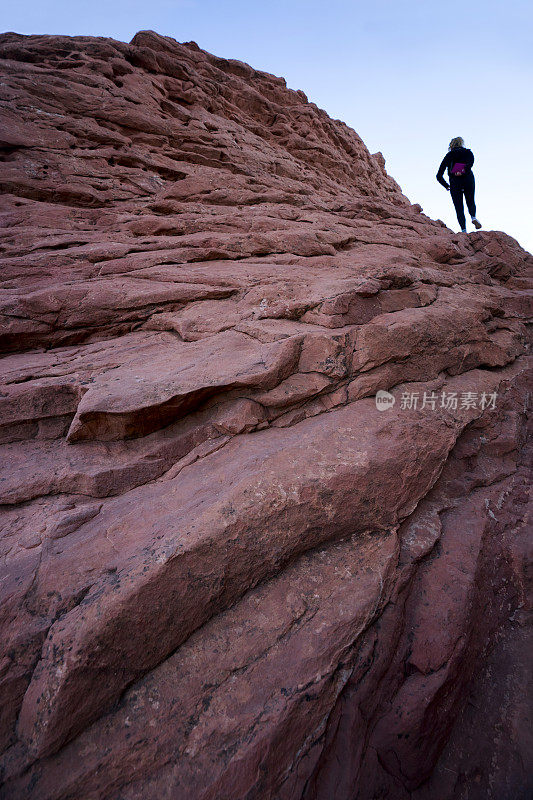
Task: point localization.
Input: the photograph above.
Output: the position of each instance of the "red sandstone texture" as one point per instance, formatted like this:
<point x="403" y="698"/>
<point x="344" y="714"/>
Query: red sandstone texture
<point x="224" y="573"/>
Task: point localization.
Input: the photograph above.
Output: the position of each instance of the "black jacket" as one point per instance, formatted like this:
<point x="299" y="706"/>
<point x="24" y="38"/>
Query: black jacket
<point x="458" y="154"/>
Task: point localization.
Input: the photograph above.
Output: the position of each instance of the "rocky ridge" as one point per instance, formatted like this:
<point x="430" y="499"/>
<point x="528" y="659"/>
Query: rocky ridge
<point x="225" y="573"/>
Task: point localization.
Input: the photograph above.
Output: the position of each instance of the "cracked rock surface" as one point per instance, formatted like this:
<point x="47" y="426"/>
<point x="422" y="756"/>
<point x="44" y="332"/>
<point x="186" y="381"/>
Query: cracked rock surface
<point x="224" y="573"/>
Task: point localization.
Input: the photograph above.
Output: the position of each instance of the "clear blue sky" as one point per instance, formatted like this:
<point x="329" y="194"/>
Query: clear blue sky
<point x="407" y="75"/>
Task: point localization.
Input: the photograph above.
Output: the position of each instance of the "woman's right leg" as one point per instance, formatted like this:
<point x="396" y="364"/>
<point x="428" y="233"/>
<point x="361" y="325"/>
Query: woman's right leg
<point x="470" y="188"/>
<point x="456" y="192"/>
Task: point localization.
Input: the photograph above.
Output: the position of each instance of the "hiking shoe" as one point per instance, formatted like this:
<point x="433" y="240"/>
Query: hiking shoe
<point x="476" y="223"/>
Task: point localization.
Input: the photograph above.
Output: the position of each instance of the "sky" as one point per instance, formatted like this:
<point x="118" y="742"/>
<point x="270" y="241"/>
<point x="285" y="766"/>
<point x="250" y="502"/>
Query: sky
<point x="407" y="75"/>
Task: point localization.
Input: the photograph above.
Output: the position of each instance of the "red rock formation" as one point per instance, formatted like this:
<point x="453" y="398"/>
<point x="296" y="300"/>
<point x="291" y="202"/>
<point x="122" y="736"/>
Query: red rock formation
<point x="225" y="573"/>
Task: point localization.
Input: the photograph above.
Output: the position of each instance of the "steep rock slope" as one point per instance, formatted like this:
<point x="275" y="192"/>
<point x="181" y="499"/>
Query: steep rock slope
<point x="225" y="573"/>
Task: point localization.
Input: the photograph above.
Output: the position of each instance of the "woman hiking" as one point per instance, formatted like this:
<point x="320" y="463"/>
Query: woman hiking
<point x="458" y="160"/>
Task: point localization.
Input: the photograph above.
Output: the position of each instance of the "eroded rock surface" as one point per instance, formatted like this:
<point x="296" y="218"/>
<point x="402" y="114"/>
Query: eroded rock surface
<point x="225" y="573"/>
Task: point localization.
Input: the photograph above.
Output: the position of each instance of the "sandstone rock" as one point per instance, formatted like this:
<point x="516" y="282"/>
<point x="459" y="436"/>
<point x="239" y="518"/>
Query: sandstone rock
<point x="224" y="572"/>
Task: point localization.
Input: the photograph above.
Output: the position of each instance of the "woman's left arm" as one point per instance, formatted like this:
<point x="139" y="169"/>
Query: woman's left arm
<point x="440" y="173"/>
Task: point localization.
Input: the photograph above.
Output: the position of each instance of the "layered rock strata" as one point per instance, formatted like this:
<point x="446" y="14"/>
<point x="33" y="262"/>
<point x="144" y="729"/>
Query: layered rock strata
<point x="226" y="573"/>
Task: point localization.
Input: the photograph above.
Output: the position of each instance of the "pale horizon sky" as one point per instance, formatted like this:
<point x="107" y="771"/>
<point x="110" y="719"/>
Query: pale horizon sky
<point x="406" y="75"/>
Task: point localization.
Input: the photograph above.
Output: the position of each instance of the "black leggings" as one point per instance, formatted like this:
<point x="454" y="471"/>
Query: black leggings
<point x="459" y="186"/>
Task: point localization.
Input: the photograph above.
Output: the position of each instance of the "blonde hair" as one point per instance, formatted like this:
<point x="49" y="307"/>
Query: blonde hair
<point x="457" y="142"/>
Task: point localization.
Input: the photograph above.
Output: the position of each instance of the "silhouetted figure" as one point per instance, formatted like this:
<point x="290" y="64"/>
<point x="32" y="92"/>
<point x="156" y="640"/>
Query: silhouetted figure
<point x="458" y="161"/>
